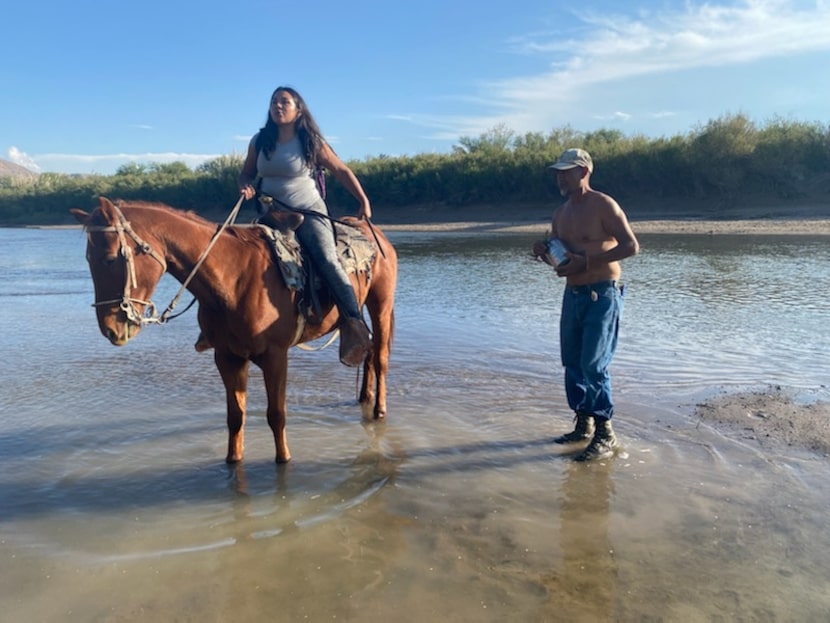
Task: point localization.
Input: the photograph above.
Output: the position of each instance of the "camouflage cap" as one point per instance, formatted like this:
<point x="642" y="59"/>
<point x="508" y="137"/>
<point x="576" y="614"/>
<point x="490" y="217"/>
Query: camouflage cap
<point x="573" y="158"/>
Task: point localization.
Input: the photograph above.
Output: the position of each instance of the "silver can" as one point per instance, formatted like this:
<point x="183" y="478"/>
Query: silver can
<point x="557" y="251"/>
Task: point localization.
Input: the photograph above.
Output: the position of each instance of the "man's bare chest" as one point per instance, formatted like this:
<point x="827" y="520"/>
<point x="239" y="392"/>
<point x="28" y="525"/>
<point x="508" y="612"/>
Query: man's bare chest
<point x="580" y="226"/>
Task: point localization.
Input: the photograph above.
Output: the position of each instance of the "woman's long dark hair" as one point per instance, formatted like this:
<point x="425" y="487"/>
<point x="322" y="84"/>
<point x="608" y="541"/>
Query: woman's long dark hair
<point x="311" y="138"/>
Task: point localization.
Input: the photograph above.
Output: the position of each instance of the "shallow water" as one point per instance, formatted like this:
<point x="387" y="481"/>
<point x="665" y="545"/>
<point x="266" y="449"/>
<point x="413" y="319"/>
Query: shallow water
<point x="116" y="503"/>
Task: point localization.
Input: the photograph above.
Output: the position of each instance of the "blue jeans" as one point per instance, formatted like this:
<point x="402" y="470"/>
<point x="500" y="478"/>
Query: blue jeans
<point x="588" y="331"/>
<point x="317" y="236"/>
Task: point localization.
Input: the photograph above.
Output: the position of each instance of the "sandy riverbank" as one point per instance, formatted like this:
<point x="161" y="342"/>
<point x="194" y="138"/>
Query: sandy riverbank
<point x="812" y="218"/>
<point x="770" y="418"/>
<point x="820" y="227"/>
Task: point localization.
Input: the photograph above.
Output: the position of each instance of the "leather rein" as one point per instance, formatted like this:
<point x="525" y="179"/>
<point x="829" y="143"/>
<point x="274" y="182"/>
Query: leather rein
<point x="127" y="302"/>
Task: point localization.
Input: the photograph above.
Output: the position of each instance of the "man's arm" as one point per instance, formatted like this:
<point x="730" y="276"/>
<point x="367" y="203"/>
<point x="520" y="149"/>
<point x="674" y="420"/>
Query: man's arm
<point x="616" y="224"/>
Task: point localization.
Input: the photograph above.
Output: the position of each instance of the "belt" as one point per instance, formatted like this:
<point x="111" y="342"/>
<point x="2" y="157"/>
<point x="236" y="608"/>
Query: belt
<point x="593" y="287"/>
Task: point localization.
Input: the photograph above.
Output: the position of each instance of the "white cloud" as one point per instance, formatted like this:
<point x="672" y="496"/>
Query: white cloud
<point x="616" y="116"/>
<point x="608" y="51"/>
<point x="107" y="163"/>
<point x="18" y="157"/>
<point x="618" y="47"/>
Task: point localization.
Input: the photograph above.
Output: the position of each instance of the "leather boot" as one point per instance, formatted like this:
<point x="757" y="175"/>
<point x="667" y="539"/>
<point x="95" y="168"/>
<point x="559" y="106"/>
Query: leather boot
<point x="604" y="443"/>
<point x="355" y="342"/>
<point x="583" y="430"/>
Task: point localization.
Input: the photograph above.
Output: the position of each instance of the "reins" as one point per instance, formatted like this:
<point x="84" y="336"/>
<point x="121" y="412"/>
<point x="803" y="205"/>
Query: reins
<point x="127" y="302"/>
<point x="268" y="200"/>
<point x="165" y="316"/>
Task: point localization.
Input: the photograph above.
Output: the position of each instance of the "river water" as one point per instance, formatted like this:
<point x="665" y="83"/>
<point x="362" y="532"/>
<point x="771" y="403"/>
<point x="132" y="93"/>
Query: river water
<point x="116" y="505"/>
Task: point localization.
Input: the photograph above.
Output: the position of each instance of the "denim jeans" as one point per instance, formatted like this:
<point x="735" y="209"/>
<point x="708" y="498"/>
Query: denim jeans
<point x="588" y="331"/>
<point x="317" y="236"/>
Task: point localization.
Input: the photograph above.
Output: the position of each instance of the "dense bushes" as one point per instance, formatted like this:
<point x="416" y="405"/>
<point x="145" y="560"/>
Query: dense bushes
<point x="720" y="160"/>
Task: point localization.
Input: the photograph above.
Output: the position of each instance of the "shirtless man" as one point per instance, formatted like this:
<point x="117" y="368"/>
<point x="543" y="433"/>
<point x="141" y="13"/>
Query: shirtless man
<point x="597" y="235"/>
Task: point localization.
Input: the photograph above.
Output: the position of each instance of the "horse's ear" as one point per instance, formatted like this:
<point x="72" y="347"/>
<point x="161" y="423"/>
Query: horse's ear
<point x="80" y="215"/>
<point x="104" y="202"/>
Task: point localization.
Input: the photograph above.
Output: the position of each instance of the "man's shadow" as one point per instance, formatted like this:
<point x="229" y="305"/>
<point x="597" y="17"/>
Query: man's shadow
<point x="584" y="587"/>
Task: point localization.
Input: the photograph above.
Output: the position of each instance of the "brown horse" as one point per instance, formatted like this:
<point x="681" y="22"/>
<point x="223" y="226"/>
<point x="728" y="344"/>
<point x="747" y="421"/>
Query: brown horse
<point x="246" y="309"/>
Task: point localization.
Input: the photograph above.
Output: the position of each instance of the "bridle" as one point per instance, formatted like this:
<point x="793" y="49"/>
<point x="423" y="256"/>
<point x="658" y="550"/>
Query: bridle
<point x="127" y="302"/>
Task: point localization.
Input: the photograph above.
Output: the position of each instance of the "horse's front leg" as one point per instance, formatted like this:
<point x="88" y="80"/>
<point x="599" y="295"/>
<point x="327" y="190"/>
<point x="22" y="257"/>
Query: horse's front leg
<point x="234" y="373"/>
<point x="275" y="372"/>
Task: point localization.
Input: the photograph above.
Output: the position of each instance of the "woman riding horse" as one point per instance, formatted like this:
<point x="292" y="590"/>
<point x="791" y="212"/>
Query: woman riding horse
<point x="287" y="154"/>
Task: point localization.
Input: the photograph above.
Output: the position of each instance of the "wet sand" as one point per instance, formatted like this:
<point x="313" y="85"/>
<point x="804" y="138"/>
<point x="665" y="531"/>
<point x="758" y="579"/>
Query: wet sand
<point x="772" y="419"/>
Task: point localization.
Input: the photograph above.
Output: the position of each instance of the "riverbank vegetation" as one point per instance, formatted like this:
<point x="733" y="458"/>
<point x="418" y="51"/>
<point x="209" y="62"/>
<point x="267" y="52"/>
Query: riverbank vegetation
<point x="727" y="160"/>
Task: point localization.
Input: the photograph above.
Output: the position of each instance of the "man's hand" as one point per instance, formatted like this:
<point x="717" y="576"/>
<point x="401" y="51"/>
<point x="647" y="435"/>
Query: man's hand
<point x="577" y="263"/>
<point x="540" y="247"/>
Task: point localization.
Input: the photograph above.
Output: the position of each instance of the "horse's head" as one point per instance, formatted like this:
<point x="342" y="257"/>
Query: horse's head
<point x="125" y="271"/>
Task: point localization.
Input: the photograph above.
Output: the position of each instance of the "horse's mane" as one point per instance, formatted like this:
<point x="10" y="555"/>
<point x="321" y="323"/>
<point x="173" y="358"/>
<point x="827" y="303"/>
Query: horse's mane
<point x="244" y="234"/>
<point x="157" y="205"/>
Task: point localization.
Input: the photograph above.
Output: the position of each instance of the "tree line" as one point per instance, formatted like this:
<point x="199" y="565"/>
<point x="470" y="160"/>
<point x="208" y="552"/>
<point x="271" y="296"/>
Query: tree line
<point x="721" y="160"/>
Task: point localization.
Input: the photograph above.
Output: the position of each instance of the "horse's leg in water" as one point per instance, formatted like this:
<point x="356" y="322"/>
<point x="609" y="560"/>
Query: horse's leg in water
<point x="275" y="372"/>
<point x="381" y="305"/>
<point x="234" y="373"/>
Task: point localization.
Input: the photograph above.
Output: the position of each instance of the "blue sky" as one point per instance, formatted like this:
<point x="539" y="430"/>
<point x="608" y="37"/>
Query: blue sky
<point x="90" y="85"/>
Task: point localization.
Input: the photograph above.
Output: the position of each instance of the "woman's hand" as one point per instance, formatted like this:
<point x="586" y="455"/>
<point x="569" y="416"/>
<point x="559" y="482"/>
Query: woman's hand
<point x="365" y="210"/>
<point x="247" y="191"/>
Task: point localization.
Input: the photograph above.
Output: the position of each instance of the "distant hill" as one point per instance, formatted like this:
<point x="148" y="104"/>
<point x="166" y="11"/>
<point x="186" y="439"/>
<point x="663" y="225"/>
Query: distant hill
<point x="10" y="169"/>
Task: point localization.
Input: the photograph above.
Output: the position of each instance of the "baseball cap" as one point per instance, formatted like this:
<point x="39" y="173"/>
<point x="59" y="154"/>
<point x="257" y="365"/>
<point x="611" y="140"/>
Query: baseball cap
<point x="571" y="158"/>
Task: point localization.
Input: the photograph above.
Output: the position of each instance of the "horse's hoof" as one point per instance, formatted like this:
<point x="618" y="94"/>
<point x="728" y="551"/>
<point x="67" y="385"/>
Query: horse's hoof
<point x="283" y="460"/>
<point x="233" y="460"/>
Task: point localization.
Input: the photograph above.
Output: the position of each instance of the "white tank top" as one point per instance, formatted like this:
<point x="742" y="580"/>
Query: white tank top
<point x="286" y="176"/>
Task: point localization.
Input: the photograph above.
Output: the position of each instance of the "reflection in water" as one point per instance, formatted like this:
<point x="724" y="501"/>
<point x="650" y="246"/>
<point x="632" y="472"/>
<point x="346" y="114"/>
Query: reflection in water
<point x="287" y="506"/>
<point x="585" y="587"/>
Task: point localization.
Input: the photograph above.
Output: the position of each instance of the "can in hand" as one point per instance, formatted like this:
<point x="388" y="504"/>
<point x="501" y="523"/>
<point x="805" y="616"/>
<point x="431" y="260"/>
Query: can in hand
<point x="556" y="253"/>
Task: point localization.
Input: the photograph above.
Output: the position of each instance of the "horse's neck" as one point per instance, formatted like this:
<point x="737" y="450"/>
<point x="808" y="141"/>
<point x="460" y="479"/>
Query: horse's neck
<point x="183" y="243"/>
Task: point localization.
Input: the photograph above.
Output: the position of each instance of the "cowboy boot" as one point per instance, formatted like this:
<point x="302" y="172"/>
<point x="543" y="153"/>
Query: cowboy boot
<point x="604" y="443"/>
<point x="355" y="341"/>
<point x="583" y="430"/>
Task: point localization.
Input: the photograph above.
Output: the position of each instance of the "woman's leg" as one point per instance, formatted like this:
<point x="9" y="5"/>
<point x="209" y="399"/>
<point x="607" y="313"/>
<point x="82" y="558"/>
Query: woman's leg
<point x="317" y="237"/>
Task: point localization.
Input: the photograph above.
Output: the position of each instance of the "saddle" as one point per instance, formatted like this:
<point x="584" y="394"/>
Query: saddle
<point x="355" y="252"/>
